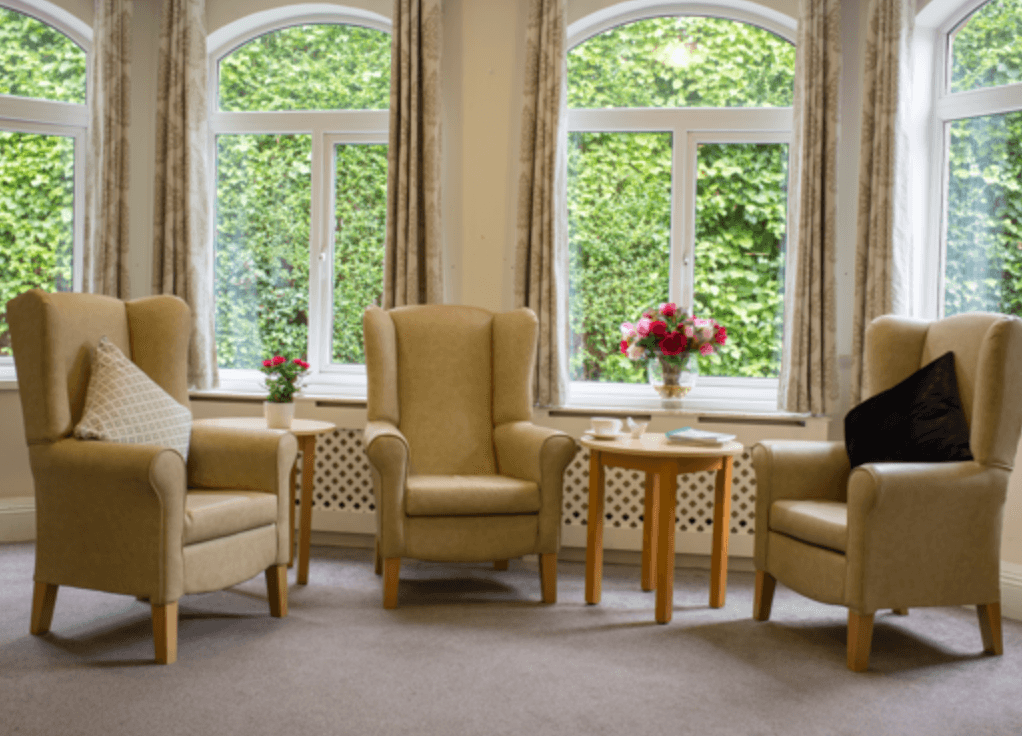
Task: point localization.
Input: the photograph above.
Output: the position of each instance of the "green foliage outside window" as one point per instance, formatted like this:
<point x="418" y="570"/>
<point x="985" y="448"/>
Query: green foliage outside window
<point x="264" y="193"/>
<point x="619" y="192"/>
<point x="308" y="67"/>
<point x="36" y="170"/>
<point x="983" y="264"/>
<point x="38" y="61"/>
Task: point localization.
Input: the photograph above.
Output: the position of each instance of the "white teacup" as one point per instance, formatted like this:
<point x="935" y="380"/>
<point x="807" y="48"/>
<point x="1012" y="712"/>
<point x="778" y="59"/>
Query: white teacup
<point x="605" y="426"/>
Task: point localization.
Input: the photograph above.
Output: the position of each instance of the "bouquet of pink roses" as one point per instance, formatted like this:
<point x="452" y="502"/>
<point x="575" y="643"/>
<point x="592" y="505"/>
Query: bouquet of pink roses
<point x="670" y="336"/>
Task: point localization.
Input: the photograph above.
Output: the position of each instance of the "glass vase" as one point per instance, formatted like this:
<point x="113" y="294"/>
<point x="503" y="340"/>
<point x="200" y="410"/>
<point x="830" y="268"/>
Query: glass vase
<point x="672" y="381"/>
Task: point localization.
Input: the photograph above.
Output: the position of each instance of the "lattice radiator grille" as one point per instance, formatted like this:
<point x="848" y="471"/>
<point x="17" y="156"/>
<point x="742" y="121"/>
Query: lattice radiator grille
<point x="344" y="483"/>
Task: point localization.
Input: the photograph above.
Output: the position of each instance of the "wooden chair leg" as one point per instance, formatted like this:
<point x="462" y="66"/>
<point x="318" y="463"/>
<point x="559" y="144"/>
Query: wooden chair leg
<point x="764" y="595"/>
<point x="500" y="565"/>
<point x="165" y="632"/>
<point x="990" y="627"/>
<point x="44" y="597"/>
<point x="860" y="639"/>
<point x="379" y="560"/>
<point x="391" y="573"/>
<point x="548" y="576"/>
<point x="276" y="590"/>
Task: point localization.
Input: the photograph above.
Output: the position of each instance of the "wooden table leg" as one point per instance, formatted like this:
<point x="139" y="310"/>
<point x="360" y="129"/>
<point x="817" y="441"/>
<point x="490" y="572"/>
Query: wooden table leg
<point x="650" y="531"/>
<point x="291" y="516"/>
<point x="721" y="532"/>
<point x="594" y="532"/>
<point x="308" y="445"/>
<point x="668" y="480"/>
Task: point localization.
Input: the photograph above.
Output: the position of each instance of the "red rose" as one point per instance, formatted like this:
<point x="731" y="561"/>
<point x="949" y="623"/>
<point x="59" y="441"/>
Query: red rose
<point x="302" y="363"/>
<point x="672" y="344"/>
<point x="658" y="328"/>
<point x="721" y="336"/>
<point x="267" y="363"/>
<point x="624" y="347"/>
<point x="669" y="309"/>
<point x="277" y="360"/>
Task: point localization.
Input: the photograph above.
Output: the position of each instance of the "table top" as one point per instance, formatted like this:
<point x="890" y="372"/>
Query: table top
<point x="657" y="444"/>
<point x="299" y="427"/>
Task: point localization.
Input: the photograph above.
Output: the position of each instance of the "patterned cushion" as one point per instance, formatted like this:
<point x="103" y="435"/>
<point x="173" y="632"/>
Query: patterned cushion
<point x="122" y="404"/>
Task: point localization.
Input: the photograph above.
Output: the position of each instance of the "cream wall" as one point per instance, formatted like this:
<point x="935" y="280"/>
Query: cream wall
<point x="482" y="68"/>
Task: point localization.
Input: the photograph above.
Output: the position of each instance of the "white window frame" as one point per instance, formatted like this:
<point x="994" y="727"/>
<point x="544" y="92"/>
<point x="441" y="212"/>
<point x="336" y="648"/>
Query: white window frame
<point x="689" y="127"/>
<point x="48" y="117"/>
<point x="934" y="26"/>
<point x="326" y="128"/>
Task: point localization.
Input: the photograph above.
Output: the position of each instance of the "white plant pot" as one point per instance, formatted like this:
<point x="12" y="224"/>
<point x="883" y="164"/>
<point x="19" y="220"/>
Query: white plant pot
<point x="279" y="415"/>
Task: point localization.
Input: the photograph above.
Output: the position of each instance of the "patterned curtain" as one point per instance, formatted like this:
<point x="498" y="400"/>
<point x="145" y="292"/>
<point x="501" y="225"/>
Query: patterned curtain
<point x="809" y="365"/>
<point x="105" y="258"/>
<point x="182" y="242"/>
<point x="541" y="255"/>
<point x="884" y="240"/>
<point x="413" y="263"/>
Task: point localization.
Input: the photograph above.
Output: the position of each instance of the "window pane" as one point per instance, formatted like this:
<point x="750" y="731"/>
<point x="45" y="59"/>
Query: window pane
<point x="262" y="247"/>
<point x="741" y="212"/>
<point x="310" y="67"/>
<point x="36" y="217"/>
<point x="983" y="268"/>
<point x="682" y="62"/>
<point x="619" y="221"/>
<point x="37" y="60"/>
<point x="360" y="229"/>
<point x="986" y="50"/>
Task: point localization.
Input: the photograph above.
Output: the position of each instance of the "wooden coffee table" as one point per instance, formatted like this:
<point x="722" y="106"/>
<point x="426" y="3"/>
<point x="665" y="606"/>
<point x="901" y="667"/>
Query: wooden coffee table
<point x="662" y="461"/>
<point x="305" y="430"/>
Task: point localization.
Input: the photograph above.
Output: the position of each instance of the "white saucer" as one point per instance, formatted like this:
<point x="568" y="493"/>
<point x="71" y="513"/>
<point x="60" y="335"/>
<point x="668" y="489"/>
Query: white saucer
<point x="592" y="435"/>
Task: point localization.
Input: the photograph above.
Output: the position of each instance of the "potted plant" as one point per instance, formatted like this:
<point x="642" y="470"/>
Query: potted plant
<point x="284" y="378"/>
<point x="669" y="343"/>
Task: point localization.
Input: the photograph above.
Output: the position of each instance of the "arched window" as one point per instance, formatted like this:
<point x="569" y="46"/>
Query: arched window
<point x="43" y="120"/>
<point x="300" y="133"/>
<point x="677" y="187"/>
<point x="979" y="133"/>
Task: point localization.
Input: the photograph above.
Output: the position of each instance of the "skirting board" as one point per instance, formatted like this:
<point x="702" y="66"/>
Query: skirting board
<point x="17" y="519"/>
<point x="1011" y="591"/>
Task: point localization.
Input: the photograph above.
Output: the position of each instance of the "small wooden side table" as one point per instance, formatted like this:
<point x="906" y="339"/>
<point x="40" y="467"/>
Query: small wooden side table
<point x="662" y="461"/>
<point x="305" y="430"/>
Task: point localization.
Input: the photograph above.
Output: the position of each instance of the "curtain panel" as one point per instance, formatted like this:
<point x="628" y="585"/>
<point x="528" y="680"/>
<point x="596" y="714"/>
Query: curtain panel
<point x="182" y="240"/>
<point x="883" y="247"/>
<point x="413" y="258"/>
<point x="809" y="380"/>
<point x="541" y="250"/>
<point x="105" y="257"/>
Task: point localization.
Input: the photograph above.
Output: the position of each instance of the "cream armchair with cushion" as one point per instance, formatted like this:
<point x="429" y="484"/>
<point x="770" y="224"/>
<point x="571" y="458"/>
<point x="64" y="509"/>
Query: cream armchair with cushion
<point x="898" y="535"/>
<point x="136" y="519"/>
<point x="459" y="471"/>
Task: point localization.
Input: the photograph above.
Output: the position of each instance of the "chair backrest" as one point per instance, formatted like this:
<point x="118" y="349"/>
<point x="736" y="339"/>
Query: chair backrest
<point x="53" y="335"/>
<point x="446" y="375"/>
<point x="988" y="367"/>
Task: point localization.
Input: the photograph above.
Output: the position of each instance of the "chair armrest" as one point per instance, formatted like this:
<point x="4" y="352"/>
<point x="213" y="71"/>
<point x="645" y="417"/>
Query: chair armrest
<point x="540" y="454"/>
<point x="795" y="469"/>
<point x="249" y="459"/>
<point x="388" y="453"/>
<point x="924" y="534"/>
<point x="110" y="516"/>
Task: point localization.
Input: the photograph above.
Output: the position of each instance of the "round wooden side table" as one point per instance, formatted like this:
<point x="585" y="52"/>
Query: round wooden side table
<point x="305" y="430"/>
<point x="662" y="461"/>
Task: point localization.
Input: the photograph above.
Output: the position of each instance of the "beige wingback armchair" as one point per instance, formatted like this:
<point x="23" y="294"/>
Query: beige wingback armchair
<point x="459" y="471"/>
<point x="899" y="535"/>
<point x="131" y="518"/>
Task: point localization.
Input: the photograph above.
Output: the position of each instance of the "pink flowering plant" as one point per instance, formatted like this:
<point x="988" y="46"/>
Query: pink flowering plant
<point x="284" y="377"/>
<point x="666" y="334"/>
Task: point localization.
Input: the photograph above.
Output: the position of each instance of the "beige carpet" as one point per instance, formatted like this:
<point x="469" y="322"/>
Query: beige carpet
<point x="472" y="651"/>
